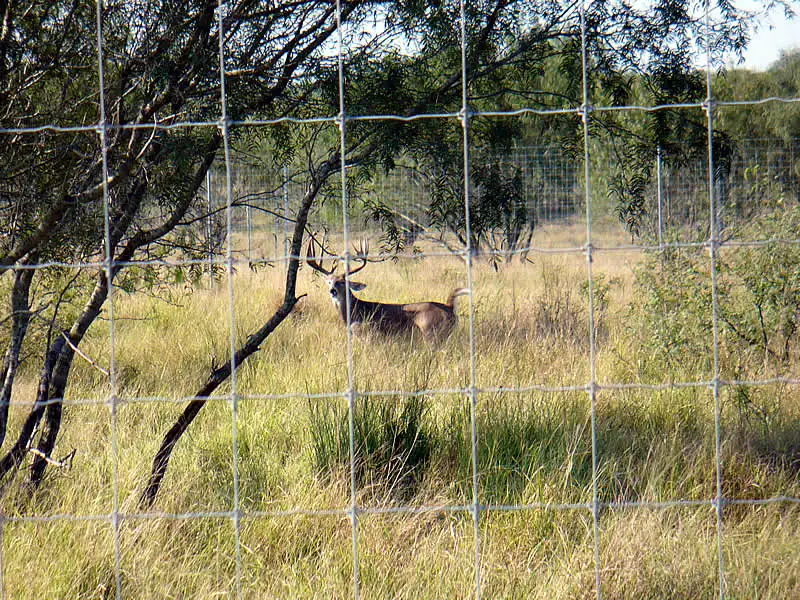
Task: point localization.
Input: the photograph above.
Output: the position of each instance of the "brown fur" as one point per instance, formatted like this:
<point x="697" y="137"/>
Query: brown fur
<point x="434" y="320"/>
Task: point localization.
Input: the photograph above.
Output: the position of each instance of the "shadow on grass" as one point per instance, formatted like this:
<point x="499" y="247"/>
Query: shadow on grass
<point x="537" y="448"/>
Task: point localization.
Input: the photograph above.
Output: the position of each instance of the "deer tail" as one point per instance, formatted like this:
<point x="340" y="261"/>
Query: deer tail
<point x="451" y="300"/>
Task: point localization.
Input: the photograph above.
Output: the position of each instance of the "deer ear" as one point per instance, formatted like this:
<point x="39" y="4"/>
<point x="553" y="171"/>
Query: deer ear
<point x="357" y="286"/>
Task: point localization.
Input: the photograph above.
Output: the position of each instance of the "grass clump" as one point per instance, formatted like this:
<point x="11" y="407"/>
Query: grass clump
<point x="392" y="442"/>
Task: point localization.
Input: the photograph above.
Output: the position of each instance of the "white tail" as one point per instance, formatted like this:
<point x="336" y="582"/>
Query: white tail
<point x="435" y="320"/>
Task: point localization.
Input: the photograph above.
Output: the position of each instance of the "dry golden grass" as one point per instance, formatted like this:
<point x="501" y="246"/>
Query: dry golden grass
<point x="531" y="325"/>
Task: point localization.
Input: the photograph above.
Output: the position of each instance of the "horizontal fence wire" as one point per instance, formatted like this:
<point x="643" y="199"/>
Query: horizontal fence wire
<point x="334" y="119"/>
<point x="121" y="399"/>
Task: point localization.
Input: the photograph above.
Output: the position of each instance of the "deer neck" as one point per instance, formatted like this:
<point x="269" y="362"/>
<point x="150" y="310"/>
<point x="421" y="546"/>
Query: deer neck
<point x="341" y="306"/>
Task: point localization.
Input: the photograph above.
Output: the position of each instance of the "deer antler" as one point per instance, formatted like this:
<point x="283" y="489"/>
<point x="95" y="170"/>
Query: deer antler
<point x="362" y="251"/>
<point x="315" y="264"/>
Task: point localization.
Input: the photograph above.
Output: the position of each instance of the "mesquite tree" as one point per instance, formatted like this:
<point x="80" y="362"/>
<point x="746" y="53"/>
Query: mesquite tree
<point x="82" y="183"/>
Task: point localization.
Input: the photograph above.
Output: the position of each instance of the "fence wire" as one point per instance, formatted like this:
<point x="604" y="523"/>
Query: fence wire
<point x="244" y="189"/>
<point x="551" y="191"/>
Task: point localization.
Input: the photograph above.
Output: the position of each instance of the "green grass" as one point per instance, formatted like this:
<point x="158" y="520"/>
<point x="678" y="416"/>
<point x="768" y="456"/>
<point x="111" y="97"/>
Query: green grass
<point x="413" y="448"/>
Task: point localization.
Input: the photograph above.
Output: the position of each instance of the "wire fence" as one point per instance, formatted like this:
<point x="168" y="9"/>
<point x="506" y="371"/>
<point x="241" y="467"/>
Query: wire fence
<point x="760" y="171"/>
<point x="253" y="205"/>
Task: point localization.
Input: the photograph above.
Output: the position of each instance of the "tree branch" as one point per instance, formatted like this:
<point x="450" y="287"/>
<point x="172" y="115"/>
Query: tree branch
<point x="253" y="343"/>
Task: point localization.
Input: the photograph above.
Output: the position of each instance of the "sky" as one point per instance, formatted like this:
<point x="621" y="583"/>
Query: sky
<point x="767" y="43"/>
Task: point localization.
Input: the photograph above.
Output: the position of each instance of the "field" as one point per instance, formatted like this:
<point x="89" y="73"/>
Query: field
<point x="654" y="422"/>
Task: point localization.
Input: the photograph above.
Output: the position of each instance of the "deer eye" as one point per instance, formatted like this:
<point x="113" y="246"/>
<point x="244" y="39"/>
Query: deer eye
<point x="333" y="292"/>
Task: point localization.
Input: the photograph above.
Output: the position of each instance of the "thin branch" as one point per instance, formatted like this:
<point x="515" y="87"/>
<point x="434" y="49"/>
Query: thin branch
<point x="83" y="356"/>
<point x="65" y="462"/>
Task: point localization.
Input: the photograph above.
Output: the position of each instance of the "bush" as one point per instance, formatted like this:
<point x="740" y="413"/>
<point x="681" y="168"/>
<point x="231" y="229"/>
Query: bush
<point x="758" y="299"/>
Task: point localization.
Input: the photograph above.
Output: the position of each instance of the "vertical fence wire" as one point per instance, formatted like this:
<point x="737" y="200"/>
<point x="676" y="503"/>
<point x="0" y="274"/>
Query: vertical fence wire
<point x="585" y="112"/>
<point x="102" y="130"/>
<point x="713" y="247"/>
<point x="351" y="391"/>
<point x="552" y="190"/>
<point x="224" y="127"/>
<point x="660" y="199"/>
<point x="209" y="227"/>
<point x="285" y="197"/>
<point x="472" y="396"/>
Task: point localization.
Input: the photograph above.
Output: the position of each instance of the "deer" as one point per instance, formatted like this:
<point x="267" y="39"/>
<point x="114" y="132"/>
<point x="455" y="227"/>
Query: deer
<point x="434" y="320"/>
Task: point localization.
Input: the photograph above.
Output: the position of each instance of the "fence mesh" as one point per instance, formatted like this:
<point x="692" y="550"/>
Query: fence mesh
<point x="759" y="171"/>
<point x="248" y="224"/>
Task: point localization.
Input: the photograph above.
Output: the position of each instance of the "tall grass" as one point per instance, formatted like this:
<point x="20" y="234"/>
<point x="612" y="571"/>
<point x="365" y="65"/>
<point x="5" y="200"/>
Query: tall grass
<point x="413" y="447"/>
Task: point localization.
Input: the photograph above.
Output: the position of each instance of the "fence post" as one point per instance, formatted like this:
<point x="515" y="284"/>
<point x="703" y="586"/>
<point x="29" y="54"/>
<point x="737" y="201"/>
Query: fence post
<point x="249" y="229"/>
<point x="285" y="210"/>
<point x="209" y="231"/>
<point x="659" y="194"/>
<point x="276" y="221"/>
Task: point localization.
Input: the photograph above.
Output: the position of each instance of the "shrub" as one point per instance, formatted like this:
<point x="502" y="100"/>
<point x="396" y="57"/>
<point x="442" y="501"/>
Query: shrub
<point x="758" y="299"/>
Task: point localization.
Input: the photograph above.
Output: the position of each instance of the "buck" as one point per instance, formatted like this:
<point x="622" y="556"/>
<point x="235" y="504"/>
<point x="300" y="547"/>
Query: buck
<point x="434" y="320"/>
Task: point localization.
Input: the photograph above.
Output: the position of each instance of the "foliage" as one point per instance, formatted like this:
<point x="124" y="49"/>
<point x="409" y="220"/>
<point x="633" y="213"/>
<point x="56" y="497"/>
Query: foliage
<point x="676" y="309"/>
<point x="758" y="294"/>
<point x="132" y="167"/>
<point x="779" y="120"/>
<point x="135" y="166"/>
<point x="501" y="220"/>
<point x="769" y="275"/>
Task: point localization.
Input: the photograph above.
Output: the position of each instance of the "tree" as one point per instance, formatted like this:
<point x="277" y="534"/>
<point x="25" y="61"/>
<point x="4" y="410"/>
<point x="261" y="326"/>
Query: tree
<point x="142" y="156"/>
<point x="161" y="63"/>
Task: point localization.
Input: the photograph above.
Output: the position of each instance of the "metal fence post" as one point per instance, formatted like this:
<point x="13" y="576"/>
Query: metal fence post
<point x="249" y="233"/>
<point x="209" y="231"/>
<point x="659" y="194"/>
<point x="285" y="210"/>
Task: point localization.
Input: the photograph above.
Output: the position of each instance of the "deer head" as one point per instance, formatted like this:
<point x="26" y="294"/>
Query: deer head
<point x="337" y="284"/>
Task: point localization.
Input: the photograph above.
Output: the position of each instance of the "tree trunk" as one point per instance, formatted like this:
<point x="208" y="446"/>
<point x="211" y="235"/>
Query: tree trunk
<point x="253" y="343"/>
<point x="20" y="317"/>
<point x="217" y="378"/>
<point x="60" y="375"/>
<point x="14" y="456"/>
<point x="54" y="410"/>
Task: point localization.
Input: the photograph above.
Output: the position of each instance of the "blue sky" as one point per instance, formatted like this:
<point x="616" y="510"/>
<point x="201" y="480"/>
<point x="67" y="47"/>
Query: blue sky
<point x="767" y="43"/>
